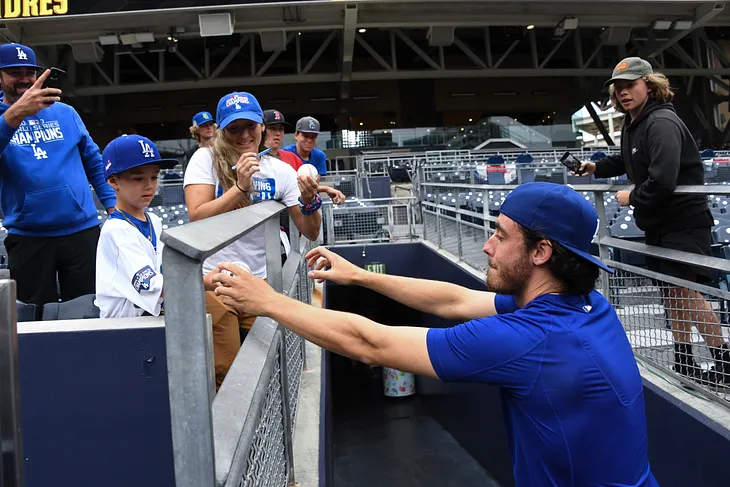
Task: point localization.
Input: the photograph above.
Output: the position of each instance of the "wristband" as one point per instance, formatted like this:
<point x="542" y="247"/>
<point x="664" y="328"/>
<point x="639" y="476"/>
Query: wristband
<point x="312" y="207"/>
<point x="242" y="190"/>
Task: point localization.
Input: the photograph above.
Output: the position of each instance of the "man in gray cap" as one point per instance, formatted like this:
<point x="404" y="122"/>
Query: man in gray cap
<point x="658" y="153"/>
<point x="306" y="132"/>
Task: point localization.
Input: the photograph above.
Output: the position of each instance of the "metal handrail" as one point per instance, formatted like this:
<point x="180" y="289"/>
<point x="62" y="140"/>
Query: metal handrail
<point x="189" y="342"/>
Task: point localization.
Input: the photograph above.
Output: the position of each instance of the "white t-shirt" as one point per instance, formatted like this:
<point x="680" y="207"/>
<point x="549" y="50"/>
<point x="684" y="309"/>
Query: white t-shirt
<point x="276" y="180"/>
<point x="128" y="270"/>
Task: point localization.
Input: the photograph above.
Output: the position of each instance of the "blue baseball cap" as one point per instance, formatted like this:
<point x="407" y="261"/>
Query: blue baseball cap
<point x="130" y="151"/>
<point x="17" y="56"/>
<point x="557" y="212"/>
<point x="202" y="118"/>
<point x="239" y="106"/>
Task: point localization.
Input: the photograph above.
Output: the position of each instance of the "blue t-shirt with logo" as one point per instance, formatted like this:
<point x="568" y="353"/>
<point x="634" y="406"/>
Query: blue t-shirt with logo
<point x="317" y="158"/>
<point x="572" y="394"/>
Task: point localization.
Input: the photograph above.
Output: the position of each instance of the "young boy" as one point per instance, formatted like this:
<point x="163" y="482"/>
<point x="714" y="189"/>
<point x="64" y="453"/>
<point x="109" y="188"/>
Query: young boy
<point x="129" y="278"/>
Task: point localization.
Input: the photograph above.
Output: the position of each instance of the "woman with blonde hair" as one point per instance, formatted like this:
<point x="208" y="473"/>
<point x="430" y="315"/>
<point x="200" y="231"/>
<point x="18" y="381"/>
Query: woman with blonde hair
<point x="658" y="154"/>
<point x="213" y="187"/>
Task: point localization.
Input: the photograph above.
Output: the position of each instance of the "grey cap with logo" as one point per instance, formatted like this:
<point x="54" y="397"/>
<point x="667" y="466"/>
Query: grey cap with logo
<point x="631" y="68"/>
<point x="307" y="125"/>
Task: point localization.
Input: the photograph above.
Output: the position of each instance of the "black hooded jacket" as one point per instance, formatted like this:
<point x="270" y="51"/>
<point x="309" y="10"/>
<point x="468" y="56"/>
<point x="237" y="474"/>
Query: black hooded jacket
<point x="658" y="154"/>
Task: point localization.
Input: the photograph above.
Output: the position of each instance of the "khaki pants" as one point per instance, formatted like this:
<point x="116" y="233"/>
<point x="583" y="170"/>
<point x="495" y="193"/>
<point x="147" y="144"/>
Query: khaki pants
<point x="227" y="325"/>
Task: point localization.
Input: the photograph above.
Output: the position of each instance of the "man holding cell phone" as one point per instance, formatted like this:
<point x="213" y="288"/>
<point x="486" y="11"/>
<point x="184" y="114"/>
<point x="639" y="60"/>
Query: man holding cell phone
<point x="47" y="161"/>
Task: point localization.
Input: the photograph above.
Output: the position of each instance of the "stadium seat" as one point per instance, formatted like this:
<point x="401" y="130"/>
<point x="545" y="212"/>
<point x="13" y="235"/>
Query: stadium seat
<point x="707" y="154"/>
<point x="27" y="311"/>
<point x="76" y="309"/>
<point x="524" y="158"/>
<point x="597" y="156"/>
<point x="625" y="229"/>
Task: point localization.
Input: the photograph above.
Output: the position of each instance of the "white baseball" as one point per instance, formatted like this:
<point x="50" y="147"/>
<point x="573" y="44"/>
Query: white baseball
<point x="308" y="170"/>
<point x="242" y="265"/>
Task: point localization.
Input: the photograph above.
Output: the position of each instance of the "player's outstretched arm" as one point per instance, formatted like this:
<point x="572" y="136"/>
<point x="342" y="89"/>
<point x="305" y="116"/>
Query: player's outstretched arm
<point x="442" y="299"/>
<point x="403" y="348"/>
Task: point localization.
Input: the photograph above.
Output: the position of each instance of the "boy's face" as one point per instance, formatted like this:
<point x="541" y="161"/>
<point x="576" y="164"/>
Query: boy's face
<point x="137" y="186"/>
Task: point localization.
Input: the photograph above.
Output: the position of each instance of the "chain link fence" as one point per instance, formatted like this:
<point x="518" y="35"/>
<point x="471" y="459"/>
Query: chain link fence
<point x="372" y="221"/>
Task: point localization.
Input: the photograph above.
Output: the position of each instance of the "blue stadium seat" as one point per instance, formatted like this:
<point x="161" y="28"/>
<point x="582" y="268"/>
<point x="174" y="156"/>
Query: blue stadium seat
<point x="77" y="309"/>
<point x="707" y="154"/>
<point x="721" y="234"/>
<point x="524" y="158"/>
<point x="597" y="156"/>
<point x="625" y="229"/>
<point x="27" y="311"/>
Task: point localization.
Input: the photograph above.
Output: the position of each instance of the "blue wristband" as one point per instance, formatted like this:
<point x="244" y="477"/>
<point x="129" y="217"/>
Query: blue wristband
<point x="312" y="207"/>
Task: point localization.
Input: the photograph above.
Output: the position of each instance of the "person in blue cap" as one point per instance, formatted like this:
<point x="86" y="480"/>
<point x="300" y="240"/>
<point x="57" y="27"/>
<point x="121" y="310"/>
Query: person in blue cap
<point x="202" y="130"/>
<point x="129" y="279"/>
<point x="572" y="393"/>
<point x="237" y="172"/>
<point x="48" y="161"/>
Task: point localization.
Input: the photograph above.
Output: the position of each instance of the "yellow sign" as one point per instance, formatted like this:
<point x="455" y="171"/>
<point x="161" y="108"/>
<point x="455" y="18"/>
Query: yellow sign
<point x="20" y="9"/>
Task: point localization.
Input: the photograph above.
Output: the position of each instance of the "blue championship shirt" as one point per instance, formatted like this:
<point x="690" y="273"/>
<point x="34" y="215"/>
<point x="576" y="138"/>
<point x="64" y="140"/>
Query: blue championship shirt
<point x="572" y="395"/>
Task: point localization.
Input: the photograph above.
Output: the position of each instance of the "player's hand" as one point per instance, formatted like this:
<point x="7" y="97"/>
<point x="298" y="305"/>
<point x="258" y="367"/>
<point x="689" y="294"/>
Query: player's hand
<point x="243" y="291"/>
<point x="247" y="166"/>
<point x="208" y="282"/>
<point x="623" y="197"/>
<point x="35" y="99"/>
<point x="337" y="196"/>
<point x="340" y="270"/>
<point x="586" y="169"/>
<point x="308" y="187"/>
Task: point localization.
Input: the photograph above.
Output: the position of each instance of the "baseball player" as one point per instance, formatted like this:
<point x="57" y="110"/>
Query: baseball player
<point x="129" y="278"/>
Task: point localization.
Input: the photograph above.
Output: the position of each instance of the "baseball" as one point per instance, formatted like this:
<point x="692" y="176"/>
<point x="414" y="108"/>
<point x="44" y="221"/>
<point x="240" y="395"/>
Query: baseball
<point x="308" y="170"/>
<point x="242" y="265"/>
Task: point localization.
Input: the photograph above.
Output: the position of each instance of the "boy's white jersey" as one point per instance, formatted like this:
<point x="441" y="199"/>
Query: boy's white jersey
<point x="128" y="270"/>
<point x="275" y="180"/>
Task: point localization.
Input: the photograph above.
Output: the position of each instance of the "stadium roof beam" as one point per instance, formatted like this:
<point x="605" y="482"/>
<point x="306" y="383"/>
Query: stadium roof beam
<point x="229" y="57"/>
<point x="348" y="49"/>
<point x="703" y="14"/>
<point x="226" y="82"/>
<point x="378" y="58"/>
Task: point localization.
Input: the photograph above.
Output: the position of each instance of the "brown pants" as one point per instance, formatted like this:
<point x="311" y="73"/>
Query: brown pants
<point x="227" y="325"/>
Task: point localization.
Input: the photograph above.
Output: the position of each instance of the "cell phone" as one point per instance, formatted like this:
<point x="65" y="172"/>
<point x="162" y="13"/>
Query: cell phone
<point x="571" y="162"/>
<point x="55" y="79"/>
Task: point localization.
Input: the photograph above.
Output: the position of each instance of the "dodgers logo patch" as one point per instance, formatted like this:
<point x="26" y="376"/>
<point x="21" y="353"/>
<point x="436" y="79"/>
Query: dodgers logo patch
<point x="142" y="278"/>
<point x="264" y="189"/>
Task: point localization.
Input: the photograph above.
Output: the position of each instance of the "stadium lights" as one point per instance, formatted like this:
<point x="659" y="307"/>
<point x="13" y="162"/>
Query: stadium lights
<point x="683" y="25"/>
<point x="109" y="40"/>
<point x="531" y="26"/>
<point x="660" y="24"/>
<point x="135" y="38"/>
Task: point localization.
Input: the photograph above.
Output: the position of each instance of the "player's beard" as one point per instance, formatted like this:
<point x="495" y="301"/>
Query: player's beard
<point x="11" y="92"/>
<point x="509" y="279"/>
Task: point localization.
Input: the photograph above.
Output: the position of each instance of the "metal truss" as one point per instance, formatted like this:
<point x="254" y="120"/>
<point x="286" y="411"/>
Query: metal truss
<point x="399" y="54"/>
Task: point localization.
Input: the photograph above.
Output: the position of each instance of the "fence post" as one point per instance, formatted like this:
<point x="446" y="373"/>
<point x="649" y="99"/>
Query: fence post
<point x="602" y="249"/>
<point x="285" y="410"/>
<point x="12" y="472"/>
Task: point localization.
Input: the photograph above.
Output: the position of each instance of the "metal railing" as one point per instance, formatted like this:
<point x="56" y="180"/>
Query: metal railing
<point x="652" y="307"/>
<point x="243" y="435"/>
<point x="372" y="221"/>
<point x="12" y="462"/>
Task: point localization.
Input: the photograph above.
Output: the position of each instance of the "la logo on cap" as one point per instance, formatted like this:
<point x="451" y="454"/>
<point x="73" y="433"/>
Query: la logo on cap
<point x="312" y="125"/>
<point x="237" y="100"/>
<point x="22" y="55"/>
<point x="205" y="116"/>
<point x="622" y="66"/>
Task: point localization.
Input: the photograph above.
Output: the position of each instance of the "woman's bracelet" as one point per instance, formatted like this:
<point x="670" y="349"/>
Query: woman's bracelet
<point x="242" y="190"/>
<point x="312" y="207"/>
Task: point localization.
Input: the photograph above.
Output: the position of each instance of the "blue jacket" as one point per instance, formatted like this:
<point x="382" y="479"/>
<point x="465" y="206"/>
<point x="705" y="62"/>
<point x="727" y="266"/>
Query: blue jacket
<point x="45" y="169"/>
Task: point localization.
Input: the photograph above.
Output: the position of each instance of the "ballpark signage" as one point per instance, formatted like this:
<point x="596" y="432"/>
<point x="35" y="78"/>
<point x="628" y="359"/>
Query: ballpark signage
<point x="15" y="9"/>
<point x="32" y="9"/>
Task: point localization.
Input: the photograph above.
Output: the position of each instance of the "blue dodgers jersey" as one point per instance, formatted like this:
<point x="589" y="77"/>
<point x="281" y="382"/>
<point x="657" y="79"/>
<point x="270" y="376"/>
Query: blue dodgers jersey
<point x="317" y="158"/>
<point x="572" y="395"/>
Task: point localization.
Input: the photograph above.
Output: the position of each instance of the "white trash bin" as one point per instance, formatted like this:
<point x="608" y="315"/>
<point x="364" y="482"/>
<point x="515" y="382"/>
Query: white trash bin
<point x="397" y="383"/>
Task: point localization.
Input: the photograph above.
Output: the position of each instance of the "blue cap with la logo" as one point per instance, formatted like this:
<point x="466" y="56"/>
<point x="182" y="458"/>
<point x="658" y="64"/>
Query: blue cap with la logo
<point x="238" y="106"/>
<point x="17" y="56"/>
<point x="130" y="151"/>
<point x="557" y="212"/>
